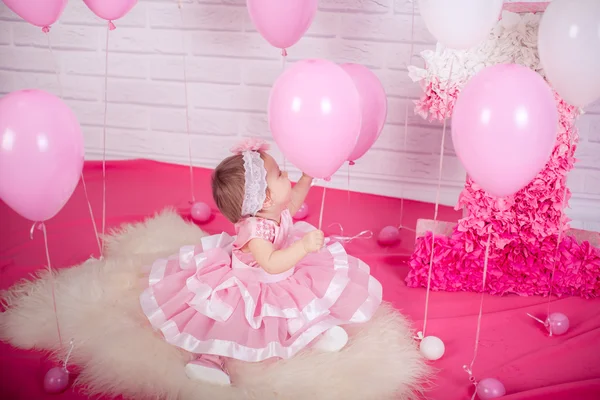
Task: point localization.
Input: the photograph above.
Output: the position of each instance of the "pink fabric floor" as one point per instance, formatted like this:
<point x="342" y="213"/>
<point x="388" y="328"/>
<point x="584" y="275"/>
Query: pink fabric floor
<point x="514" y="348"/>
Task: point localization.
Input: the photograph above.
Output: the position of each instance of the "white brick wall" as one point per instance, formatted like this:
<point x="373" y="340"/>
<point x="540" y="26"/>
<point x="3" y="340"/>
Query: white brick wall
<point x="230" y="69"/>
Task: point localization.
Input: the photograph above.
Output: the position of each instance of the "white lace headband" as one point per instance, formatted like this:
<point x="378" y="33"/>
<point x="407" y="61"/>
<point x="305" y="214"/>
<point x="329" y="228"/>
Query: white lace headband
<point x="255" y="186"/>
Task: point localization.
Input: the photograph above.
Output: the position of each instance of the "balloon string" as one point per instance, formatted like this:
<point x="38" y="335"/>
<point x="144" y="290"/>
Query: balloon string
<point x="349" y="165"/>
<point x="469" y="369"/>
<point x="187" y="107"/>
<point x="42" y="226"/>
<point x="442" y="146"/>
<point x="60" y="90"/>
<point x="322" y="207"/>
<point x="87" y="198"/>
<point x="104" y="138"/>
<point x="437" y="201"/>
<point x="558" y="240"/>
<point x="538" y="320"/>
<point x="68" y="357"/>
<point x="410" y="55"/>
<point x="32" y="230"/>
<point x="283" y="62"/>
<point x="366" y="234"/>
<point x="472" y="380"/>
<point x="406" y="228"/>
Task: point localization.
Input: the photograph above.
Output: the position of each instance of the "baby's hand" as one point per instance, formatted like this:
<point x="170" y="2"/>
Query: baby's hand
<point x="313" y="241"/>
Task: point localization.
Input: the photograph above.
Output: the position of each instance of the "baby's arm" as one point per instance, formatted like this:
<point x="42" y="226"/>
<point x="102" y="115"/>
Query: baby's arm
<point x="278" y="261"/>
<point x="299" y="193"/>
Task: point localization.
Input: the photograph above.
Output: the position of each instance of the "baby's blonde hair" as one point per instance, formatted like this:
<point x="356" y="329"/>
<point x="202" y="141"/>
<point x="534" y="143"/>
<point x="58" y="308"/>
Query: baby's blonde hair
<point x="228" y="183"/>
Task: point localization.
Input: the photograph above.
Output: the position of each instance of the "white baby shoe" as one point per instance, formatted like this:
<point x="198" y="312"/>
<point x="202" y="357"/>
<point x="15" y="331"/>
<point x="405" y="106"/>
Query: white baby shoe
<point x="207" y="371"/>
<point x="332" y="340"/>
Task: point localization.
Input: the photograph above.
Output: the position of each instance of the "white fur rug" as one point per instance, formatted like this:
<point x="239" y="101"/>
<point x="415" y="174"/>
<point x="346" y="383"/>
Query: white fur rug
<point x="119" y="353"/>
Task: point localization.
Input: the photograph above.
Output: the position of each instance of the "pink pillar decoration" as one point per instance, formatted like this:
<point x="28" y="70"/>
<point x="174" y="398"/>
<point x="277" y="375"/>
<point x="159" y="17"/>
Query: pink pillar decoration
<point x="525" y="227"/>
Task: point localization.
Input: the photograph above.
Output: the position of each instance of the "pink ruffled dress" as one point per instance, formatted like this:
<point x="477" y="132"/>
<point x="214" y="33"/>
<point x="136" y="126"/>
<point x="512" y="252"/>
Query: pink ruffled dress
<point x="214" y="299"/>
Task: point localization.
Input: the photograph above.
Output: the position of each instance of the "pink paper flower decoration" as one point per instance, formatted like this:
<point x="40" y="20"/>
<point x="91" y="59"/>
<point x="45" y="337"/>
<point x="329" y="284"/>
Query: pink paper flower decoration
<point x="525" y="227"/>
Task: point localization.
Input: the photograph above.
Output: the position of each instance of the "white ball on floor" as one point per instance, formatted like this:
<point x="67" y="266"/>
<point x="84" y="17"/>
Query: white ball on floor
<point x="432" y="348"/>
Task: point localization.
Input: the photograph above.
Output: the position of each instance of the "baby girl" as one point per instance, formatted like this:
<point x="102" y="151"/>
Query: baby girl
<point x="269" y="292"/>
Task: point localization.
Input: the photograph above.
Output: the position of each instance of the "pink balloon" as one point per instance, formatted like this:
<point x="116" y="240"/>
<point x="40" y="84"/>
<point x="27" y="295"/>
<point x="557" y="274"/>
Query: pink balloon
<point x="373" y="103"/>
<point x="56" y="380"/>
<point x="282" y="23"/>
<point x="39" y="13"/>
<point x="302" y="212"/>
<point x="388" y="236"/>
<point x="110" y="9"/>
<point x="314" y="115"/>
<point x="200" y="212"/>
<point x="490" y="388"/>
<point x="504" y="127"/>
<point x="41" y="153"/>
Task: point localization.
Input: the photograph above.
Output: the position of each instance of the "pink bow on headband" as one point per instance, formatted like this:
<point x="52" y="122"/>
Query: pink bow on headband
<point x="250" y="144"/>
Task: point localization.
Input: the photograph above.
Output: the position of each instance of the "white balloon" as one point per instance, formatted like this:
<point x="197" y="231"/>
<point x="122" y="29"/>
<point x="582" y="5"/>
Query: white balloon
<point x="569" y="47"/>
<point x="460" y="24"/>
<point x="432" y="348"/>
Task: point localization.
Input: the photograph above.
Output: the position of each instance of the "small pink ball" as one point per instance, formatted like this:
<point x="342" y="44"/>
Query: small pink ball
<point x="56" y="380"/>
<point x="201" y="212"/>
<point x="302" y="212"/>
<point x="490" y="388"/>
<point x="388" y="236"/>
<point x="558" y="323"/>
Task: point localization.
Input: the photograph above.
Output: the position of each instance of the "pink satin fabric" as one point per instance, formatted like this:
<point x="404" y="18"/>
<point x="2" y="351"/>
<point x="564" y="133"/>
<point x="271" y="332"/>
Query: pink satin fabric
<point x="214" y="299"/>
